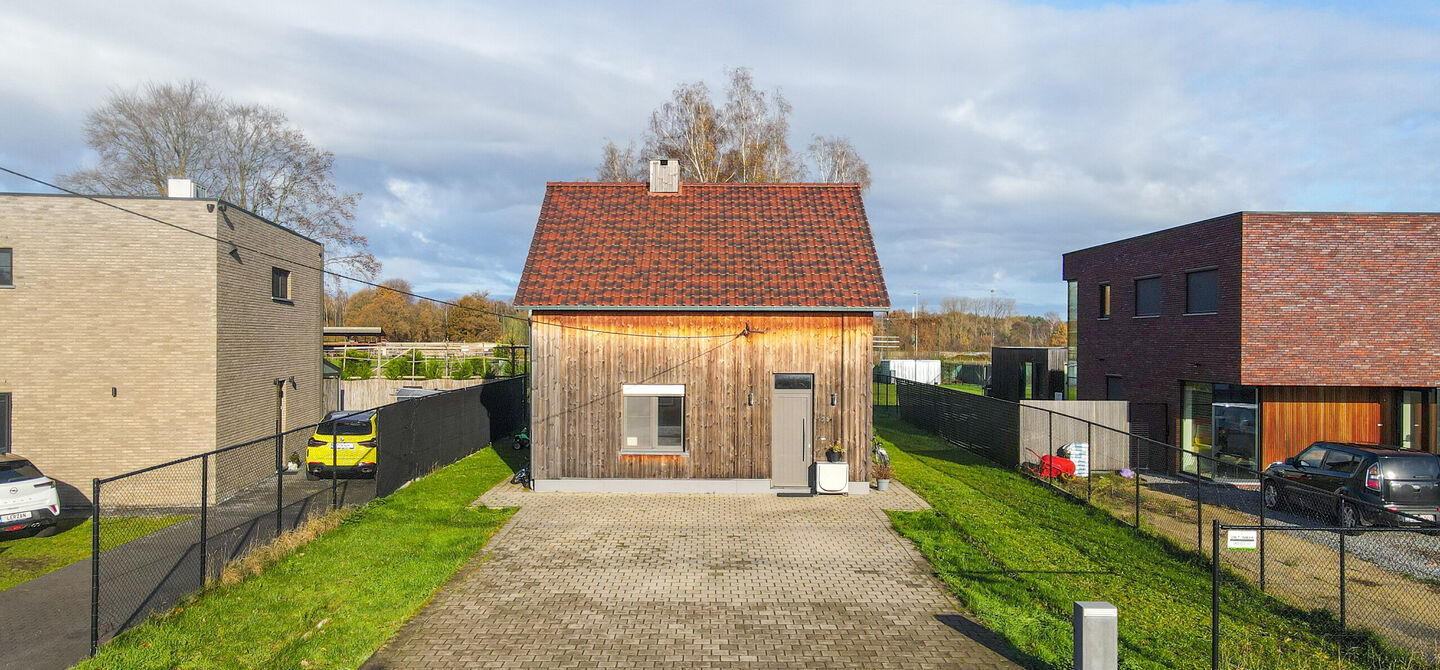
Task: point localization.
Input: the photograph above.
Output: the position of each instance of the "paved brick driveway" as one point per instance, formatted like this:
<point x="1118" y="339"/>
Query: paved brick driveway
<point x="707" y="581"/>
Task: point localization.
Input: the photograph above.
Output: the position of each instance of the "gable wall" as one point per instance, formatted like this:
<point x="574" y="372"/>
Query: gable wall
<point x="577" y="379"/>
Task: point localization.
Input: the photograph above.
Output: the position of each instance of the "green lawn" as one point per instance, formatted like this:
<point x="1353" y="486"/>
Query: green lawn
<point x="1019" y="554"/>
<point x="968" y="388"/>
<point x="337" y="599"/>
<point x="25" y="558"/>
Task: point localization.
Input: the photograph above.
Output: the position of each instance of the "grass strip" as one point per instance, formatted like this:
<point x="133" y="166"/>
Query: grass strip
<point x="334" y="601"/>
<point x="1018" y="555"/>
<point x="25" y="558"/>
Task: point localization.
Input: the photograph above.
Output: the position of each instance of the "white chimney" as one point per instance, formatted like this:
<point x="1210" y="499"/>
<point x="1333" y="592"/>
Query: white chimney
<point x="664" y="175"/>
<point x="183" y="188"/>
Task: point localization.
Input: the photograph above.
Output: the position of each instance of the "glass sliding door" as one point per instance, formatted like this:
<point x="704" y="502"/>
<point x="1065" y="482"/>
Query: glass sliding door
<point x="1219" y="431"/>
<point x="1412" y="420"/>
<point x="1195" y="428"/>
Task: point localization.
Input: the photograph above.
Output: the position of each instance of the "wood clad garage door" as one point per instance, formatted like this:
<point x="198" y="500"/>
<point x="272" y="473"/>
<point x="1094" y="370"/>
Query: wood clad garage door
<point x="1296" y="416"/>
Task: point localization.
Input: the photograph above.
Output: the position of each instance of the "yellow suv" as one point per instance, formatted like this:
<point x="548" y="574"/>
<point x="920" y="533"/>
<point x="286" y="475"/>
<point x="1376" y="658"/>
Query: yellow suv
<point x="345" y="442"/>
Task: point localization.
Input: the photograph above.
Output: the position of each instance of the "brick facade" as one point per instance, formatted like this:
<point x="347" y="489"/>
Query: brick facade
<point x="1305" y="300"/>
<point x="1153" y="355"/>
<point x="172" y="322"/>
<point x="1341" y="299"/>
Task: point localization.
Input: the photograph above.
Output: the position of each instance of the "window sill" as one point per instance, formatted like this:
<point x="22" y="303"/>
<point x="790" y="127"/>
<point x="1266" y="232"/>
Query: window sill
<point x="1146" y="316"/>
<point x="2" y="286"/>
<point x="1199" y="314"/>
<point x="653" y="453"/>
<point x="1103" y="318"/>
<point x="282" y="301"/>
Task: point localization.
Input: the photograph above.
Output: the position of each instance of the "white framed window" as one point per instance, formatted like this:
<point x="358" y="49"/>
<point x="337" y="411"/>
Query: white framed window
<point x="653" y="420"/>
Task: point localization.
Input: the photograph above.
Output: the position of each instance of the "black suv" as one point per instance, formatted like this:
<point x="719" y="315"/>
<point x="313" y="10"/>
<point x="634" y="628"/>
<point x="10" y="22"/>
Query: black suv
<point x="1358" y="483"/>
<point x="1369" y="484"/>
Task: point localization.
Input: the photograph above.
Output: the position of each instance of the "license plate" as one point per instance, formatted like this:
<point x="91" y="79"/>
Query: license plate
<point x="344" y="447"/>
<point x="18" y="516"/>
<point x="1427" y="517"/>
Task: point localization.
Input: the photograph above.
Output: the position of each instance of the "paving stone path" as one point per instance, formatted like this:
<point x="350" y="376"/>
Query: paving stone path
<point x="694" y="581"/>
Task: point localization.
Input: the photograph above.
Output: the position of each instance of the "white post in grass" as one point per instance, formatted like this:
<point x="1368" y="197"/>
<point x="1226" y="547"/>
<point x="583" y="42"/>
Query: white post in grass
<point x="1097" y="633"/>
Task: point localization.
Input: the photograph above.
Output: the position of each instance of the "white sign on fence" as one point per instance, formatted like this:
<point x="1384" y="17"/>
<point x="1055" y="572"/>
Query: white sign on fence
<point x="1242" y="539"/>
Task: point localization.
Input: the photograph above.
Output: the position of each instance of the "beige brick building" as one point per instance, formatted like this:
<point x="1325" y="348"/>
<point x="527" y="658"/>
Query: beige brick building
<point x="128" y="343"/>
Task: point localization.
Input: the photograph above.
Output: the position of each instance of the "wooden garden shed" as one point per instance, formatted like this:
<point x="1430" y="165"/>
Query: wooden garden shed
<point x="699" y="337"/>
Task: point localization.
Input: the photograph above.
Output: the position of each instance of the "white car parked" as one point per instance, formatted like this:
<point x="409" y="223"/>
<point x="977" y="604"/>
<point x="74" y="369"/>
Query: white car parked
<point x="28" y="499"/>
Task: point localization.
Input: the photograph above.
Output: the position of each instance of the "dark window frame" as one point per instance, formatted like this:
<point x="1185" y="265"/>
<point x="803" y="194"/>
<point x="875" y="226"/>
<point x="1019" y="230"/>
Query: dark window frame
<point x="1106" y="298"/>
<point x="6" y="417"/>
<point x="1190" y="309"/>
<point x="1120" y="381"/>
<point x="278" y="274"/>
<point x="1159" y="297"/>
<point x="7" y="270"/>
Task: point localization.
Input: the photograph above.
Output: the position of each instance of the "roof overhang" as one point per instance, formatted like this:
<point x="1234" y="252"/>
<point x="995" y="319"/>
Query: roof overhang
<point x="697" y="308"/>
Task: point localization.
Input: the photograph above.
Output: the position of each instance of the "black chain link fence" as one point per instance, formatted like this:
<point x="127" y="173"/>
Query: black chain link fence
<point x="161" y="533"/>
<point x="1388" y="587"/>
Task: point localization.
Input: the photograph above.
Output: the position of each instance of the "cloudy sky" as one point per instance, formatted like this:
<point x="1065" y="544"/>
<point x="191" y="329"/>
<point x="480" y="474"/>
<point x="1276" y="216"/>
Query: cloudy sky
<point x="999" y="134"/>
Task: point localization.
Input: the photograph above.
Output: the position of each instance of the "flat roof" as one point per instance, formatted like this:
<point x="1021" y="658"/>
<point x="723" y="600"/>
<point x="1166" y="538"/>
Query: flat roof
<point x="353" y="330"/>
<point x="1242" y="213"/>
<point x="227" y="204"/>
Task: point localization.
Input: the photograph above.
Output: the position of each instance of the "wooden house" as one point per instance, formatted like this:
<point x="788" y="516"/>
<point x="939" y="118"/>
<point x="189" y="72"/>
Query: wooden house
<point x="699" y="337"/>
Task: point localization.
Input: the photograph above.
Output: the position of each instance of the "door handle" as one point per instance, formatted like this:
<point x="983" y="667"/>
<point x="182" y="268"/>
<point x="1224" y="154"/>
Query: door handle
<point x="803" y="441"/>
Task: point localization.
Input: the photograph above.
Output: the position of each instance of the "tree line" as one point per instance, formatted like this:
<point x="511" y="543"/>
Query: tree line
<point x="968" y="325"/>
<point x="473" y="318"/>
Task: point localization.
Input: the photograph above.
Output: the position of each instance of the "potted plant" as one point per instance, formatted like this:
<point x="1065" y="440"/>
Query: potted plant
<point x="882" y="477"/>
<point x="836" y="453"/>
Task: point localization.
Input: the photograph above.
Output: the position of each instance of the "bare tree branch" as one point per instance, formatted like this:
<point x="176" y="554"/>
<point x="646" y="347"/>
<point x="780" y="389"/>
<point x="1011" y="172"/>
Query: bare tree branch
<point x="249" y="155"/>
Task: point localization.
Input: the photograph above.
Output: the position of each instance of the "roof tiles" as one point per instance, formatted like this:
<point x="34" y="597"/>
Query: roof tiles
<point x="708" y="246"/>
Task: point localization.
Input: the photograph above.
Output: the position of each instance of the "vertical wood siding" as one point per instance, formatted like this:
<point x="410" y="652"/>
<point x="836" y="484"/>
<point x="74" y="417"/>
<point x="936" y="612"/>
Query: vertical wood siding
<point x="577" y="377"/>
<point x="1293" y="417"/>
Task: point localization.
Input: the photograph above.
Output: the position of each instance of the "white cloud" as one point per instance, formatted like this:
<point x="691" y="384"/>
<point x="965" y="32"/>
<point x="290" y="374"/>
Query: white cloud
<point x="1000" y="135"/>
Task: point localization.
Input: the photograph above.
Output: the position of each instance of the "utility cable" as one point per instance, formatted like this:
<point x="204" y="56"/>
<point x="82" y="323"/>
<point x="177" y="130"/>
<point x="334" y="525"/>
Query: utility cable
<point x="366" y="282"/>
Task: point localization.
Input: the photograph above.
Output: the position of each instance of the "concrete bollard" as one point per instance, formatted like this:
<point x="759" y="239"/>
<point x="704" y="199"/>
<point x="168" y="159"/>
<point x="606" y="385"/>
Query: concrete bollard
<point x="1097" y="636"/>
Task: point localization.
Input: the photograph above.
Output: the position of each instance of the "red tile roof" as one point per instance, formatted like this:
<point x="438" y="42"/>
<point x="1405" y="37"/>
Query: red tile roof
<point x="710" y="245"/>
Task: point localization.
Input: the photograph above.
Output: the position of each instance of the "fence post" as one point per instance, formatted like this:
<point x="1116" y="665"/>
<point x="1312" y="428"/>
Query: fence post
<point x="1215" y="595"/>
<point x="1262" y="534"/>
<point x="1136" y="474"/>
<point x="1342" y="579"/>
<point x="204" y="520"/>
<point x="279" y="480"/>
<point x="1089" y="457"/>
<point x="94" y="565"/>
<point x="1199" y="512"/>
<point x="335" y="471"/>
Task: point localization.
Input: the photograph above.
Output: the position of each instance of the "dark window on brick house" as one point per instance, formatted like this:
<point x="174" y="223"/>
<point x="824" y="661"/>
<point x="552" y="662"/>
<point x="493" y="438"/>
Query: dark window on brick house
<point x="7" y="267"/>
<point x="1147" y="296"/>
<point x="1104" y="301"/>
<point x="280" y="284"/>
<point x="1114" y="388"/>
<point x="1202" y="292"/>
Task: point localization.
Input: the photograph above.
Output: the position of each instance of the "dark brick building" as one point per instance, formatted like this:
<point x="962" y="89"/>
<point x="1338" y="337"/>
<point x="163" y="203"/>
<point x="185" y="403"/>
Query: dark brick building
<point x="1251" y="335"/>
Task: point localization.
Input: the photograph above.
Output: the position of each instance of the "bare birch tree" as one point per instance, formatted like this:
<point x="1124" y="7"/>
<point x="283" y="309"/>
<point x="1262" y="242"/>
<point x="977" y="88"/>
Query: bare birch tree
<point x="836" y="161"/>
<point x="746" y="140"/>
<point x="249" y="155"/>
<point x="619" y="165"/>
<point x="688" y="129"/>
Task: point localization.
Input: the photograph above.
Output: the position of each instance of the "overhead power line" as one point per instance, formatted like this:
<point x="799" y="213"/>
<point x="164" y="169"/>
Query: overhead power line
<point x="366" y="282"/>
